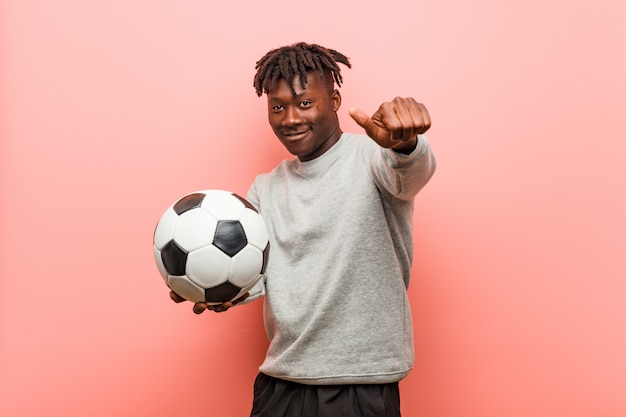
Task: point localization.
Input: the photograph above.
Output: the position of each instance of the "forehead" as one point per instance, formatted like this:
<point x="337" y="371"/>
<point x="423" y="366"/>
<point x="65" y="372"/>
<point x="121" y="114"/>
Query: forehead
<point x="314" y="85"/>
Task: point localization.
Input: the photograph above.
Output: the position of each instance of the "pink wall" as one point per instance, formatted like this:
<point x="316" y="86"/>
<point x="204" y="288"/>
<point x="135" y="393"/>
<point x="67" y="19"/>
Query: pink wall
<point x="112" y="109"/>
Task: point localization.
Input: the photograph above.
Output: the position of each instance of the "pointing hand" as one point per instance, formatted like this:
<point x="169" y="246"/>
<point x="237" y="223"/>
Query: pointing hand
<point x="395" y="124"/>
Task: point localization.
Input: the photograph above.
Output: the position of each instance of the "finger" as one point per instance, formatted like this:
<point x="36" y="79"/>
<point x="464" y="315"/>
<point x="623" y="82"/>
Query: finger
<point x="361" y="118"/>
<point x="420" y="119"/>
<point x="199" y="308"/>
<point x="399" y="119"/>
<point x="425" y="117"/>
<point x="176" y="298"/>
<point x="373" y="128"/>
<point x="220" y="308"/>
<point x="406" y="118"/>
<point x="413" y="117"/>
<point x="225" y="306"/>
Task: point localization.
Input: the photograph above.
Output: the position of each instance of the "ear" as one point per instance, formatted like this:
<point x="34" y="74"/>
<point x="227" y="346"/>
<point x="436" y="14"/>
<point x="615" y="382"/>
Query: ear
<point x="335" y="99"/>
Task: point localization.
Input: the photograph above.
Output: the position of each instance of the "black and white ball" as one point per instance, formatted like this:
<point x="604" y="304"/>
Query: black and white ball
<point x="211" y="246"/>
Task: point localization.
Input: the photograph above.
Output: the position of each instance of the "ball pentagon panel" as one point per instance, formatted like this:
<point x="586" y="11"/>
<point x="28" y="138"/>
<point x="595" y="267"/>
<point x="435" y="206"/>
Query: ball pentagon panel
<point x="188" y="202"/>
<point x="245" y="202"/>
<point x="174" y="258"/>
<point x="230" y="237"/>
<point x="223" y="292"/>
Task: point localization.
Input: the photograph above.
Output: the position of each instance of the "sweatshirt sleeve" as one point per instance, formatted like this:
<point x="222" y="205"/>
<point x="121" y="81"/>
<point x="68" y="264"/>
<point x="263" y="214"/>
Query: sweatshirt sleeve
<point x="403" y="176"/>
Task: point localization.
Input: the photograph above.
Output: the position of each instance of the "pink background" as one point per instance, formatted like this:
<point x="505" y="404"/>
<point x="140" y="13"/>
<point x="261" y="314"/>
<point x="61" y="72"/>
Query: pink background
<point x="110" y="110"/>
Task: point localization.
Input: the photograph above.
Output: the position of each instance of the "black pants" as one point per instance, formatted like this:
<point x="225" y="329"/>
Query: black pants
<point x="278" y="398"/>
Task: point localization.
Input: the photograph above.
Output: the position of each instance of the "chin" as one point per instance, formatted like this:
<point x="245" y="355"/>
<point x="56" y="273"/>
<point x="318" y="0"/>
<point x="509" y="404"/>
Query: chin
<point x="297" y="150"/>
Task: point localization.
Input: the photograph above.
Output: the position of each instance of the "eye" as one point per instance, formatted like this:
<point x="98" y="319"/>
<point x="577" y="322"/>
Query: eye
<point x="277" y="108"/>
<point x="306" y="103"/>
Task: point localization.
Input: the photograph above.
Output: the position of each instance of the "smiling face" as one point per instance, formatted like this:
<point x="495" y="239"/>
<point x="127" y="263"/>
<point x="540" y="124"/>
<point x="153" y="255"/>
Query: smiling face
<point x="305" y="122"/>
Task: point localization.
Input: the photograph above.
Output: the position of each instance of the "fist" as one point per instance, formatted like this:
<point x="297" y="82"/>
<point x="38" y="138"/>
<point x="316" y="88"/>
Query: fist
<point x="395" y="124"/>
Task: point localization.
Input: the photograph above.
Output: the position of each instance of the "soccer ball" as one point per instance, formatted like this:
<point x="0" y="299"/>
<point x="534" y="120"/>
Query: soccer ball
<point x="211" y="246"/>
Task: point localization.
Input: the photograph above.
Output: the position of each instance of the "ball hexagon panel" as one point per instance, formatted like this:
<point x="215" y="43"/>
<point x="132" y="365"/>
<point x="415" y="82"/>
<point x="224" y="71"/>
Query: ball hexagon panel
<point x="245" y="266"/>
<point x="159" y="263"/>
<point x="250" y="286"/>
<point x="164" y="231"/>
<point x="222" y="205"/>
<point x="195" y="229"/>
<point x="186" y="289"/>
<point x="256" y="232"/>
<point x="208" y="266"/>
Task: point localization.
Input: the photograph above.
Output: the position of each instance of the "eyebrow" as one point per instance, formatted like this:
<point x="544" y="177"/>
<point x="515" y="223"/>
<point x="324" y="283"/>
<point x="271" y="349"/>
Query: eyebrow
<point x="296" y="96"/>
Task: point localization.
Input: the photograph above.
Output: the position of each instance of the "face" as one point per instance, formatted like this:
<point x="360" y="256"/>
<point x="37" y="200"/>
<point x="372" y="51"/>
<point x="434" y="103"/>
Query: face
<point x="306" y="123"/>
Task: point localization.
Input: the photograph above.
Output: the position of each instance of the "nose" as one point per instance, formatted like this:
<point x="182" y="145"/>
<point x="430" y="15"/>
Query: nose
<point x="292" y="116"/>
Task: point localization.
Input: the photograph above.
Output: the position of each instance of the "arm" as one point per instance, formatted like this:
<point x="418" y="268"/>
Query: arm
<point x="406" y="163"/>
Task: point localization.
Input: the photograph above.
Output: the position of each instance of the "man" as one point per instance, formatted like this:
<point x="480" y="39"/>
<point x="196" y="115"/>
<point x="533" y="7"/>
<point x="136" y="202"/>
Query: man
<point x="340" y="218"/>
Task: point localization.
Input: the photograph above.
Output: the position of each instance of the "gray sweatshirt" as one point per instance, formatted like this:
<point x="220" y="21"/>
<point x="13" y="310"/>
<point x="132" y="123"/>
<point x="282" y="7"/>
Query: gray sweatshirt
<point x="340" y="226"/>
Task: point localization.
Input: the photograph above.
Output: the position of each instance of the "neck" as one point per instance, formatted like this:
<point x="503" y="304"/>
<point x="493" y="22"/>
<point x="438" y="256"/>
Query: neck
<point x="333" y="138"/>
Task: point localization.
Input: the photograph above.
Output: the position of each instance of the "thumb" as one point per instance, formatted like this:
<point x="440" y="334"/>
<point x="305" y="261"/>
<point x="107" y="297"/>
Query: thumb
<point x="366" y="122"/>
<point x="361" y="118"/>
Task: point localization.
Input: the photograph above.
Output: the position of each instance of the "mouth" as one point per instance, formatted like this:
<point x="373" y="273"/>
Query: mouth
<point x="293" y="136"/>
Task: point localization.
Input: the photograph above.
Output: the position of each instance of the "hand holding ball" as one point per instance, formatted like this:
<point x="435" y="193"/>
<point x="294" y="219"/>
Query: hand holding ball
<point x="211" y="247"/>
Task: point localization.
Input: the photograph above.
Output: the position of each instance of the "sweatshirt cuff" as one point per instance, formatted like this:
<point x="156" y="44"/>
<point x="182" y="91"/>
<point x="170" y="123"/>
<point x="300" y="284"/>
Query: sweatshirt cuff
<point x="403" y="159"/>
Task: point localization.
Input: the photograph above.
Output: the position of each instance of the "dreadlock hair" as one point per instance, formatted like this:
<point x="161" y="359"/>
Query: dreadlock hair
<point x="296" y="60"/>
